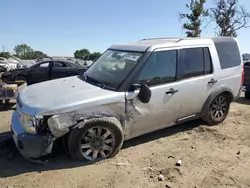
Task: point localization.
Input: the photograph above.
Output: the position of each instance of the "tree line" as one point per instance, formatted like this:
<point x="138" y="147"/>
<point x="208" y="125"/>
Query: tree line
<point x="24" y="51"/>
<point x="229" y="17"/>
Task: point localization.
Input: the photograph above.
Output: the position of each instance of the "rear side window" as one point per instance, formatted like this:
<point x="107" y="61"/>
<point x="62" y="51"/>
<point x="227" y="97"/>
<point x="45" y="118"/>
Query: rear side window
<point x="228" y="52"/>
<point x="58" y="64"/>
<point x="207" y="61"/>
<point x="191" y="62"/>
<point x="195" y="62"/>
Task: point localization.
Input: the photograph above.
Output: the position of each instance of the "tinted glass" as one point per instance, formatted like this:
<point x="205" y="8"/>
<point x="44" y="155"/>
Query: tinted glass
<point x="228" y="52"/>
<point x="208" y="62"/>
<point x="160" y="68"/>
<point x="191" y="62"/>
<point x="42" y="65"/>
<point x="58" y="64"/>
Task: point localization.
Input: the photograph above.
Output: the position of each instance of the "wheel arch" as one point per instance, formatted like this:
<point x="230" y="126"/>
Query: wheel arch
<point x="222" y="90"/>
<point x="111" y="123"/>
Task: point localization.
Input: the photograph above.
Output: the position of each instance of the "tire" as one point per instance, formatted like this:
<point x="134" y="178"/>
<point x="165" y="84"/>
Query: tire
<point x="247" y="94"/>
<point x="218" y="110"/>
<point x="20" y="78"/>
<point x="94" y="147"/>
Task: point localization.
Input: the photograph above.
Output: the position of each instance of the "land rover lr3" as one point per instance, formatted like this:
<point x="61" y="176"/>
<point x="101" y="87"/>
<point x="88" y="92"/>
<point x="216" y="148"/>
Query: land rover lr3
<point x="132" y="89"/>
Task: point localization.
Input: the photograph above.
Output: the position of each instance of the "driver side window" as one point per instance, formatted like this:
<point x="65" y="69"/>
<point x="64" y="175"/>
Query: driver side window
<point x="160" y="68"/>
<point x="44" y="65"/>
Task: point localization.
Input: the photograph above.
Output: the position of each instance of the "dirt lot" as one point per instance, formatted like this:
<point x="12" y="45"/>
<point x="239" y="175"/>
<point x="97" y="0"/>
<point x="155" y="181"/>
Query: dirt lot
<point x="211" y="157"/>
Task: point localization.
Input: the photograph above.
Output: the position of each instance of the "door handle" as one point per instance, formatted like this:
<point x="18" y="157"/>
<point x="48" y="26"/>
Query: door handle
<point x="171" y="91"/>
<point x="212" y="81"/>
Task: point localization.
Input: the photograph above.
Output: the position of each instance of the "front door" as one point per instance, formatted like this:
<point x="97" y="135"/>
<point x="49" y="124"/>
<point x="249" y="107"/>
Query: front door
<point x="40" y="72"/>
<point x="162" y="109"/>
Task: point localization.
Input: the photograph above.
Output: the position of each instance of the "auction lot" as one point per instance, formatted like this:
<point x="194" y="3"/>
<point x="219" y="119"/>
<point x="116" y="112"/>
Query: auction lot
<point x="217" y="156"/>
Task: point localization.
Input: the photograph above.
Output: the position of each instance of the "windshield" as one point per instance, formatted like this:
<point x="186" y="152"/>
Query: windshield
<point x="113" y="67"/>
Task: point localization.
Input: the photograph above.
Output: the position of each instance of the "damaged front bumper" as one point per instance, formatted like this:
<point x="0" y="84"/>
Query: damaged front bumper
<point x="31" y="146"/>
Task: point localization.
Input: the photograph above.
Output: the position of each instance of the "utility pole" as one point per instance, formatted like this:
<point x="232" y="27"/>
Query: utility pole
<point x="3" y="48"/>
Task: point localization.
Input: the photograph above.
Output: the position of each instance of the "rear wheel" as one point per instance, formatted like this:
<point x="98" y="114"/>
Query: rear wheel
<point x="218" y="110"/>
<point x="100" y="138"/>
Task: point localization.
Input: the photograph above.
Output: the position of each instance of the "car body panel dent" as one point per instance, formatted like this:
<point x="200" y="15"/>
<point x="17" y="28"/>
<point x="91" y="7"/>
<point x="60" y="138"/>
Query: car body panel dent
<point x="125" y="111"/>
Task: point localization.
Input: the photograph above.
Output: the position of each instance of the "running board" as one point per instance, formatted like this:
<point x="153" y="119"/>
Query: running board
<point x="187" y="118"/>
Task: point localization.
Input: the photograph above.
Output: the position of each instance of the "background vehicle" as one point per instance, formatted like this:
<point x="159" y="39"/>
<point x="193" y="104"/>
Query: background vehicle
<point x="247" y="79"/>
<point x="7" y="92"/>
<point x="131" y="90"/>
<point x="43" y="71"/>
<point x="7" y="65"/>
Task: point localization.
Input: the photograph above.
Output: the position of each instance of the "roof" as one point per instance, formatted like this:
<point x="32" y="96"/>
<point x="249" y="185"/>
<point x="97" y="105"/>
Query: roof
<point x="152" y="43"/>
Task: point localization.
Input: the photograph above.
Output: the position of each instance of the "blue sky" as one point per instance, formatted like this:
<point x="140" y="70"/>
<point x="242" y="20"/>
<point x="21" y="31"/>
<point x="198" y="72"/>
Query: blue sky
<point x="59" y="27"/>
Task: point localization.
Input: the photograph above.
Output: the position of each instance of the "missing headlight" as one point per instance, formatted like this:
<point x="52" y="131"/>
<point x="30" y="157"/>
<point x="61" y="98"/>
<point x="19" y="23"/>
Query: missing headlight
<point x="30" y="123"/>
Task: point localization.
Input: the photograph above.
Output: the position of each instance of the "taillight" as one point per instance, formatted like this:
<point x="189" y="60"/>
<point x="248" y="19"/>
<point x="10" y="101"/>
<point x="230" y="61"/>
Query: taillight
<point x="243" y="75"/>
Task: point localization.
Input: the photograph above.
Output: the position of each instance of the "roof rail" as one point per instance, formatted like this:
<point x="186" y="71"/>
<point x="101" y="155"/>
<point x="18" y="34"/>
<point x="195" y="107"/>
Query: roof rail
<point x="169" y="38"/>
<point x="178" y="39"/>
<point x="159" y="38"/>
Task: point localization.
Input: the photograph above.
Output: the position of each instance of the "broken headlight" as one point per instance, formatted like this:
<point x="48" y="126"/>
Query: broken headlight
<point x="30" y="123"/>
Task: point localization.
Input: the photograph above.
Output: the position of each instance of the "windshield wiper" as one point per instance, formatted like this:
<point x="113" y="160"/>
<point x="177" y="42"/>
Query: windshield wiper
<point x="94" y="81"/>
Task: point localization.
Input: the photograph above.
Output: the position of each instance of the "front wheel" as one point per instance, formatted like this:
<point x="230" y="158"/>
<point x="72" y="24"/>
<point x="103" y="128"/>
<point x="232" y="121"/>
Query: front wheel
<point x="218" y="110"/>
<point x="100" y="138"/>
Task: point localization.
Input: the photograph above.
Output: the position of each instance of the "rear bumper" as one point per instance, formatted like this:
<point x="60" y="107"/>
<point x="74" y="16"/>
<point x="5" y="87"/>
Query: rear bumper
<point x="239" y="93"/>
<point x="31" y="146"/>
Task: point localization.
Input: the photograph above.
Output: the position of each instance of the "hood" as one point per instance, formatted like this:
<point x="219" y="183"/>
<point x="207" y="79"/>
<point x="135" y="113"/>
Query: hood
<point x="12" y="73"/>
<point x="64" y="95"/>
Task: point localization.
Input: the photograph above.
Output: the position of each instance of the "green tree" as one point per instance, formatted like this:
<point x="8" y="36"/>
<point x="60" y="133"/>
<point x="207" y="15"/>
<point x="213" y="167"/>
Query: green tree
<point x="4" y="54"/>
<point x="195" y="18"/>
<point x="23" y="51"/>
<point x="94" y="56"/>
<point x="83" y="54"/>
<point x="39" y="55"/>
<point x="229" y="16"/>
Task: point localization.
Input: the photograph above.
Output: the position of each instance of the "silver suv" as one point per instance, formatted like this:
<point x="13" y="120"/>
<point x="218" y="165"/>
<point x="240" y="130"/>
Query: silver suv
<point x="132" y="89"/>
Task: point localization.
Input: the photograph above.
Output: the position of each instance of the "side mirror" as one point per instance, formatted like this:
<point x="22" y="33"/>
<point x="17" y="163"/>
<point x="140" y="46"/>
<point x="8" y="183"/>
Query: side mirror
<point x="144" y="94"/>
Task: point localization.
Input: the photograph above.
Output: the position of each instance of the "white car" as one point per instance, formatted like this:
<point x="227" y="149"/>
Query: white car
<point x="8" y="65"/>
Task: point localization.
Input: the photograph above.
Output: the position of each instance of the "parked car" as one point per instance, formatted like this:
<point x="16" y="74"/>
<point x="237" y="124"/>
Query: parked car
<point x="7" y="65"/>
<point x="2" y="66"/>
<point x="247" y="79"/>
<point x="43" y="71"/>
<point x="132" y="89"/>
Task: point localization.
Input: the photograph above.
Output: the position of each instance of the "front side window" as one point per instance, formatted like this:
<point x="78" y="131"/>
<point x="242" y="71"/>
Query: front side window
<point x="113" y="67"/>
<point x="160" y="68"/>
<point x="44" y="65"/>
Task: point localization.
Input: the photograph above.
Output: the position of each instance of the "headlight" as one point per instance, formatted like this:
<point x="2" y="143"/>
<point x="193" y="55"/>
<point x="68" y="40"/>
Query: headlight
<point x="29" y="123"/>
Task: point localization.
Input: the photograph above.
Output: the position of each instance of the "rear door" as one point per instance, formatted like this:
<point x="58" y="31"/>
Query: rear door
<point x="196" y="76"/>
<point x="59" y="69"/>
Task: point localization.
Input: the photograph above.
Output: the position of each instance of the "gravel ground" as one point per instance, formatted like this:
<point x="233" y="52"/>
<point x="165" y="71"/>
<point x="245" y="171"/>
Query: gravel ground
<point x="212" y="156"/>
